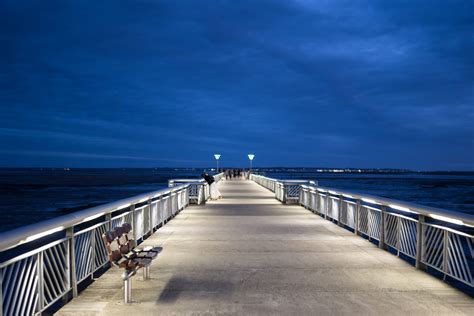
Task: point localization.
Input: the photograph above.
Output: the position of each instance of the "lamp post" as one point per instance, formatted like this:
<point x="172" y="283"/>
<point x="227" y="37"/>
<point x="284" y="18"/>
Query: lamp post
<point x="217" y="156"/>
<point x="251" y="156"/>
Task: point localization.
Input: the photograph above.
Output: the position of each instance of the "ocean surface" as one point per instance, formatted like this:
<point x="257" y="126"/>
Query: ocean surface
<point x="31" y="195"/>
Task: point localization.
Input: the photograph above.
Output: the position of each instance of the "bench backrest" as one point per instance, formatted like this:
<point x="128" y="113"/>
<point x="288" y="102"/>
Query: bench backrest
<point x="119" y="242"/>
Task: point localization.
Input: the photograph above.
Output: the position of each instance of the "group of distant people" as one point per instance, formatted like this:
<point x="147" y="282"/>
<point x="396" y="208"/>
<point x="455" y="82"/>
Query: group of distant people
<point x="236" y="174"/>
<point x="230" y="174"/>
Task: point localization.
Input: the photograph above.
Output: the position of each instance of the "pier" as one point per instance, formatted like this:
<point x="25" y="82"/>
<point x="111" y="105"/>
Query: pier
<point x="248" y="253"/>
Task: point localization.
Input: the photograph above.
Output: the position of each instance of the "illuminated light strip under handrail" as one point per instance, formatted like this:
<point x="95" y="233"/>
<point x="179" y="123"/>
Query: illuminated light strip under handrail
<point x="25" y="234"/>
<point x="401" y="208"/>
<point x="123" y="206"/>
<point x="447" y="219"/>
<point x="450" y="230"/>
<point x="45" y="233"/>
<point x="371" y="208"/>
<point x="369" y="201"/>
<point x="93" y="217"/>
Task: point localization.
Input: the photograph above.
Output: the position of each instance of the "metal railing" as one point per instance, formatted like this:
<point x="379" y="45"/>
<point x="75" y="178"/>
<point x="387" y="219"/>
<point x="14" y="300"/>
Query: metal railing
<point x="431" y="238"/>
<point x="265" y="182"/>
<point x="45" y="262"/>
<point x="286" y="191"/>
<point x="198" y="188"/>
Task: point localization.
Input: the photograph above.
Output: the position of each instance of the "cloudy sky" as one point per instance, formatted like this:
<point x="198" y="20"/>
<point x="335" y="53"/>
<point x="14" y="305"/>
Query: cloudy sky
<point x="298" y="83"/>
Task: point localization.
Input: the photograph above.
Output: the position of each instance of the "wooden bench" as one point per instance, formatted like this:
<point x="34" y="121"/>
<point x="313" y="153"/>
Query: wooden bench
<point x="124" y="254"/>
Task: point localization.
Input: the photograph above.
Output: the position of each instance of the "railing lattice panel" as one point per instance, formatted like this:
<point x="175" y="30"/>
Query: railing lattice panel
<point x="433" y="240"/>
<point x="20" y="287"/>
<point x="461" y="257"/>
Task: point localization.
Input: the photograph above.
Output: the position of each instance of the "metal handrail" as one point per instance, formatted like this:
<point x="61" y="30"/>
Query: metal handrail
<point x="24" y="234"/>
<point x="440" y="239"/>
<point x="466" y="219"/>
<point x="43" y="262"/>
<point x="199" y="191"/>
<point x="408" y="207"/>
<point x="171" y="182"/>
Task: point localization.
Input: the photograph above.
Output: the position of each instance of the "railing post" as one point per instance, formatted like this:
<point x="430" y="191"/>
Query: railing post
<point x="317" y="205"/>
<point x="160" y="205"/>
<point x="419" y="242"/>
<point x="134" y="228"/>
<point x="40" y="276"/>
<point x="382" y="227"/>
<point x="445" y="253"/>
<point x="72" y="260"/>
<point x="186" y="197"/>
<point x="1" y="292"/>
<point x="399" y="228"/>
<point x="326" y="205"/>
<point x="93" y="254"/>
<point x="200" y="193"/>
<point x="341" y="208"/>
<point x="356" y="218"/>
<point x="108" y="219"/>
<point x="150" y="218"/>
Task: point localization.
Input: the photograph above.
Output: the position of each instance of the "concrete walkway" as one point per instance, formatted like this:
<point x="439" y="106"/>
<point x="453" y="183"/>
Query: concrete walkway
<point x="248" y="254"/>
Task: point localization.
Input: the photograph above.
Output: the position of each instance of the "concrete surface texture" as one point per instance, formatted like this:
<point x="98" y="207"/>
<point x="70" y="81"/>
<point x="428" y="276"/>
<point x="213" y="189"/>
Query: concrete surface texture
<point x="248" y="254"/>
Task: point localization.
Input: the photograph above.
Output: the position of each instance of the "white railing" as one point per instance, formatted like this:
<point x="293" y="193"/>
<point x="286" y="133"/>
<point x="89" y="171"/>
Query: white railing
<point x="433" y="239"/>
<point x="265" y="182"/>
<point x="43" y="263"/>
<point x="198" y="188"/>
<point x="286" y="191"/>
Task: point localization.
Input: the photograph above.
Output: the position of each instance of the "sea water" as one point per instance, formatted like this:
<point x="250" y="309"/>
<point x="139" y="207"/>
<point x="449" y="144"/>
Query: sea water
<point x="31" y="195"/>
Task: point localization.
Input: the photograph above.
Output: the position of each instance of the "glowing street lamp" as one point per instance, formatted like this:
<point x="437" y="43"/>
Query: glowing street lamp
<point x="251" y="156"/>
<point x="217" y="156"/>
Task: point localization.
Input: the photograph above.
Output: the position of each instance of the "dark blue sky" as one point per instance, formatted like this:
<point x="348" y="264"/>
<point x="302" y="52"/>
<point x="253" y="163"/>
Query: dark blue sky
<point x="298" y="83"/>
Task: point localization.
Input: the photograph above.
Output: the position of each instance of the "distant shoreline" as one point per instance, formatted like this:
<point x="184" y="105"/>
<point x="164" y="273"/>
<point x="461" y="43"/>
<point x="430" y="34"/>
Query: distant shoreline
<point x="261" y="169"/>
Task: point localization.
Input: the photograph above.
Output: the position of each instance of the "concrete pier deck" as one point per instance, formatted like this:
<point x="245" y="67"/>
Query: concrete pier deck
<point x="248" y="254"/>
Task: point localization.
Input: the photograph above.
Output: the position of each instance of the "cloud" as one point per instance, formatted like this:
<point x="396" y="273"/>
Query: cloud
<point x="190" y="78"/>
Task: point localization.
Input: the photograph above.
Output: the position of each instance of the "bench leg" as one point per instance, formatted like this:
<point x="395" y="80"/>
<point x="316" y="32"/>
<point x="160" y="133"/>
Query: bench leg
<point x="146" y="273"/>
<point x="127" y="290"/>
